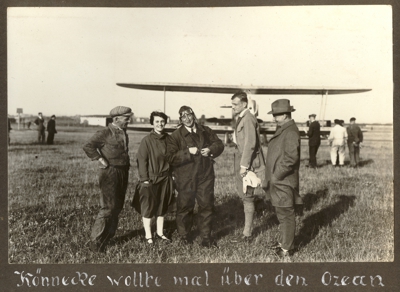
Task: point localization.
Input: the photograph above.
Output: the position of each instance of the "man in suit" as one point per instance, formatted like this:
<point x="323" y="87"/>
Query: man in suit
<point x="282" y="174"/>
<point x="354" y="142"/>
<point x="248" y="157"/>
<point x="39" y="122"/>
<point x="109" y="146"/>
<point x="191" y="150"/>
<point x="314" y="140"/>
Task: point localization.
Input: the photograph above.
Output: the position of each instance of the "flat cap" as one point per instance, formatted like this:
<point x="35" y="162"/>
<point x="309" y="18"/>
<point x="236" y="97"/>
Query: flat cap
<point x="336" y="121"/>
<point x="312" y="115"/>
<point x="352" y="119"/>
<point x="121" y="111"/>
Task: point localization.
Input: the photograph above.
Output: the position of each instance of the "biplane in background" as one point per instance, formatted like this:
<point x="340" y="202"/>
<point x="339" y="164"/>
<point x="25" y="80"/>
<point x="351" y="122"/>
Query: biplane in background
<point x="226" y="126"/>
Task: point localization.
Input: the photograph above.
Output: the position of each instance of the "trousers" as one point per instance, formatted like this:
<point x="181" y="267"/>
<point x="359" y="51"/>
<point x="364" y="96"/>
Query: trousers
<point x="113" y="184"/>
<point x="337" y="149"/>
<point x="287" y="225"/>
<point x="41" y="136"/>
<point x="200" y="189"/>
<point x="313" y="149"/>
<point x="354" y="153"/>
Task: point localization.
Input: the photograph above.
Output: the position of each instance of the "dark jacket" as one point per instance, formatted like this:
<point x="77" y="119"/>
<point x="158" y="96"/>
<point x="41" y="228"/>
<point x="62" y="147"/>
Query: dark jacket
<point x="354" y="134"/>
<point x="51" y="126"/>
<point x="185" y="165"/>
<point x="282" y="166"/>
<point x="151" y="159"/>
<point x="314" y="135"/>
<point x="248" y="142"/>
<point x="109" y="143"/>
<point x="40" y="124"/>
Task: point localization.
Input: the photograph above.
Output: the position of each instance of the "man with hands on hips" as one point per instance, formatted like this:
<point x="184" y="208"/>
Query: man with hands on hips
<point x="191" y="150"/>
<point x="110" y="147"/>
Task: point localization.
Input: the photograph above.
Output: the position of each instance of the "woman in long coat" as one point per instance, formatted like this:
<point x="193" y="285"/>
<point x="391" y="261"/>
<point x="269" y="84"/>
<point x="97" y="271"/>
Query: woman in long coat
<point x="156" y="185"/>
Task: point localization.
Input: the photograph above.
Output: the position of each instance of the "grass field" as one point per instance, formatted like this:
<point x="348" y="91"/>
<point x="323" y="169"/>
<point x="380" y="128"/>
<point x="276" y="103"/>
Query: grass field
<point x="54" y="194"/>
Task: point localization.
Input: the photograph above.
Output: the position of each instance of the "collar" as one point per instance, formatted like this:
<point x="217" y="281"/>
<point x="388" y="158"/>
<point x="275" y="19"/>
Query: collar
<point x="284" y="126"/>
<point x="243" y="112"/>
<point x="156" y="135"/>
<point x="114" y="128"/>
<point x="190" y="129"/>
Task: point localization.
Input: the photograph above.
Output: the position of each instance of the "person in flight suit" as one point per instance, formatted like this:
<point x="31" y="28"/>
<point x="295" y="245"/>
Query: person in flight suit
<point x="191" y="150"/>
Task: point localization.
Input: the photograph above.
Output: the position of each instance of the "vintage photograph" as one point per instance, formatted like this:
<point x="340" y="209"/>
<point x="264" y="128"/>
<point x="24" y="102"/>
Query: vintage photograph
<point x="200" y="135"/>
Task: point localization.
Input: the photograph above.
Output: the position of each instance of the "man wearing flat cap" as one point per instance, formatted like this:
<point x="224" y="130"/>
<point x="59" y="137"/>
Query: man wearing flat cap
<point x="109" y="146"/>
<point x="314" y="140"/>
<point x="249" y="158"/>
<point x="191" y="150"/>
<point x="354" y="142"/>
<point x="337" y="140"/>
<point x="282" y="174"/>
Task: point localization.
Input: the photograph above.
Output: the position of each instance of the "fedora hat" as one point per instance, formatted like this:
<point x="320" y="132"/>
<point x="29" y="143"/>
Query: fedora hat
<point x="281" y="106"/>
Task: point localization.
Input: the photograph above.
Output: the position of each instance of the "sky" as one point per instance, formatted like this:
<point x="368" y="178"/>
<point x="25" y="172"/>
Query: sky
<point x="67" y="61"/>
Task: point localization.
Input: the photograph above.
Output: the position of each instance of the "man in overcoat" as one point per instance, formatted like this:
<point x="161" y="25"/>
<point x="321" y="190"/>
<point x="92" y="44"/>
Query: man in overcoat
<point x="314" y="140"/>
<point x="354" y="142"/>
<point x="109" y="146"/>
<point x="51" y="129"/>
<point x="248" y="157"/>
<point x="39" y="122"/>
<point x="191" y="150"/>
<point x="282" y="173"/>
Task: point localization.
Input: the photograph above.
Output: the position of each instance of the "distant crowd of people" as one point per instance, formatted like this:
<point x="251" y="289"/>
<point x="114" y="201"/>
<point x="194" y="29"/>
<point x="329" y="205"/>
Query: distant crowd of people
<point x="41" y="129"/>
<point x="339" y="136"/>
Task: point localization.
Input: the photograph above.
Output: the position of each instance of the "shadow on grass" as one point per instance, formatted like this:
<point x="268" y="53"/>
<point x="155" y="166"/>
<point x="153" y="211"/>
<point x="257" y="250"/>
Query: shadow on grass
<point x="311" y="199"/>
<point x="127" y="236"/>
<point x="365" y="162"/>
<point x="230" y="215"/>
<point x="312" y="224"/>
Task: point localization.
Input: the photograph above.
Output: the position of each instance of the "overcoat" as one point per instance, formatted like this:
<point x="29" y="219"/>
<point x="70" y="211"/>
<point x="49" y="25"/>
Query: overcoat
<point x="51" y="127"/>
<point x="314" y="135"/>
<point x="248" y="142"/>
<point x="282" y="166"/>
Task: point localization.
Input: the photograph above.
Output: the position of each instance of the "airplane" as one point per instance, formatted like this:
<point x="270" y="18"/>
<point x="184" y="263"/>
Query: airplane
<point x="252" y="105"/>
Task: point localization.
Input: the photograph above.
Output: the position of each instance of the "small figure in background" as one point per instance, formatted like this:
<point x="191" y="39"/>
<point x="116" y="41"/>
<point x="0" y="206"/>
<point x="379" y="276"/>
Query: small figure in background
<point x="337" y="140"/>
<point x="9" y="129"/>
<point x="51" y="128"/>
<point x="39" y="122"/>
<point x="354" y="142"/>
<point x="314" y="140"/>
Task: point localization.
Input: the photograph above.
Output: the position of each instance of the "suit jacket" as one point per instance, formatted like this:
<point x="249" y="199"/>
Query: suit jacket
<point x="354" y="134"/>
<point x="247" y="135"/>
<point x="282" y="167"/>
<point x="314" y="135"/>
<point x="185" y="165"/>
<point x="40" y="124"/>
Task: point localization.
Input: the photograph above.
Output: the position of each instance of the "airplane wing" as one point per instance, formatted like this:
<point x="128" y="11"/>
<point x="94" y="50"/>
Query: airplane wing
<point x="207" y="88"/>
